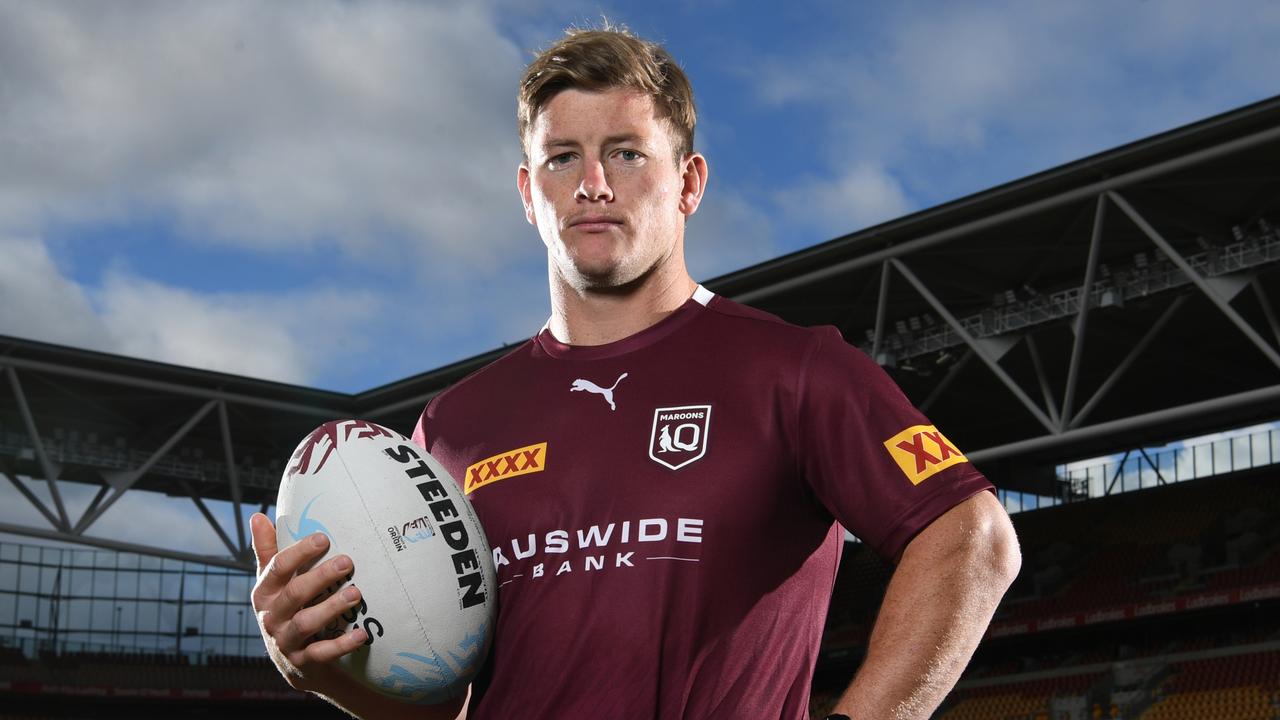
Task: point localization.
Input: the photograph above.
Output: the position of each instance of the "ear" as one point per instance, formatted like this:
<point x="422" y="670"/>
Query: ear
<point x="523" y="184"/>
<point x="693" y="173"/>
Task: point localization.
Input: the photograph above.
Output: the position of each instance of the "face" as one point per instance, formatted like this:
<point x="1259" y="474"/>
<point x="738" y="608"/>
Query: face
<point x="604" y="189"/>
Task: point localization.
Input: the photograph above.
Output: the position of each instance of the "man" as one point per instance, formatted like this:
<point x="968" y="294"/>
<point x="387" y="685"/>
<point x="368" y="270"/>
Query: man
<point x="669" y="547"/>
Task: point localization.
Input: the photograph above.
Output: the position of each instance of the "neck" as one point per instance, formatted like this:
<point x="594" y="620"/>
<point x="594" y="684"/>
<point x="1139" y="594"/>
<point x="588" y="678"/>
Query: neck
<point x="599" y="316"/>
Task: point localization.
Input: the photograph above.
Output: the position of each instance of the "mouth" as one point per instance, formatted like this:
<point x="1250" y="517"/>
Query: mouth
<point x="595" y="223"/>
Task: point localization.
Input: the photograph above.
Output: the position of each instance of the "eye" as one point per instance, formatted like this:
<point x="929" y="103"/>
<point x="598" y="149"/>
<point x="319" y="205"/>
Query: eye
<point x="558" y="161"/>
<point x="629" y="156"/>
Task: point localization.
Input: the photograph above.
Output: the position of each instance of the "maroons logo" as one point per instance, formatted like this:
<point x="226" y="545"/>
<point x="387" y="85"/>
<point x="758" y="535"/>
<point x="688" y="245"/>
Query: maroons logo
<point x="679" y="435"/>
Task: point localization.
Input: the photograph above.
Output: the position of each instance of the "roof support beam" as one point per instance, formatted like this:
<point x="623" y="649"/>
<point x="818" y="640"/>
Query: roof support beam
<point x="30" y="496"/>
<point x="92" y="514"/>
<point x="176" y="388"/>
<point x="1129" y="359"/>
<point x="1199" y="281"/>
<point x="1044" y="382"/>
<point x="882" y="307"/>
<point x="1082" y="318"/>
<point x="977" y="348"/>
<point x="1159" y="477"/>
<point x="1263" y="398"/>
<point x="233" y="478"/>
<point x="97" y="498"/>
<point x="125" y="547"/>
<point x="1268" y="310"/>
<point x="50" y="470"/>
<point x="946" y="380"/>
<point x="213" y="522"/>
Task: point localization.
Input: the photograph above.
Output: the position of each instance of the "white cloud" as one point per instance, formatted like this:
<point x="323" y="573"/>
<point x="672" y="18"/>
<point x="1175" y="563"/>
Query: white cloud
<point x="955" y="98"/>
<point x="270" y="125"/>
<point x="36" y="301"/>
<point x="269" y="336"/>
<point x="860" y="196"/>
<point x="727" y="233"/>
<point x="263" y="335"/>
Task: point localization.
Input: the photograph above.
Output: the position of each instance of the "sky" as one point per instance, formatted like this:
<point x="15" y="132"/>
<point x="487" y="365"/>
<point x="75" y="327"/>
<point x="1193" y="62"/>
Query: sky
<point x="322" y="192"/>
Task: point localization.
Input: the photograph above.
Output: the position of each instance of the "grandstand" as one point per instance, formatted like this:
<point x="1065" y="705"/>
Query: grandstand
<point x="1106" y="310"/>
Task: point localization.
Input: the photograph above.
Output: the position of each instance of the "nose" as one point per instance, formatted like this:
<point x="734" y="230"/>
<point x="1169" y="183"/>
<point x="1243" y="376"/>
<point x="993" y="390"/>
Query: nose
<point x="594" y="185"/>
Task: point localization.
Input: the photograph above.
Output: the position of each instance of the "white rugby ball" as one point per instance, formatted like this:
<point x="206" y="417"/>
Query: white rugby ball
<point x="422" y="562"/>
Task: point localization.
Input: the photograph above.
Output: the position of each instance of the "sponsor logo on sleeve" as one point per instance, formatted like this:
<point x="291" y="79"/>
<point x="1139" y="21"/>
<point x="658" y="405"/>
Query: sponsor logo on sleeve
<point x="921" y="451"/>
<point x="521" y="461"/>
<point x="679" y="435"/>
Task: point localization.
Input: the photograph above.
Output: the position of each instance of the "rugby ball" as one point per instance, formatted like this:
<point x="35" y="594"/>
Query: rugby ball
<point x="422" y="562"/>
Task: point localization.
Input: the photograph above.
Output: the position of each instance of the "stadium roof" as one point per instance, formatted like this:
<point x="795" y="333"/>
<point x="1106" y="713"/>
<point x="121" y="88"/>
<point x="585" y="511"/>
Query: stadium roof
<point x="973" y="306"/>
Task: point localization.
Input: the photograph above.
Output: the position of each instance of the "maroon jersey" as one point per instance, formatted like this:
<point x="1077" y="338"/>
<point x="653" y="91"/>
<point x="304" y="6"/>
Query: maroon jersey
<point x="662" y="509"/>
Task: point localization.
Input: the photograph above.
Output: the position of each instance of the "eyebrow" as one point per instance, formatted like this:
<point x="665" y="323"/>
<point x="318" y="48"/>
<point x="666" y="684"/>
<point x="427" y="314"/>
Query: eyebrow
<point x="610" y="140"/>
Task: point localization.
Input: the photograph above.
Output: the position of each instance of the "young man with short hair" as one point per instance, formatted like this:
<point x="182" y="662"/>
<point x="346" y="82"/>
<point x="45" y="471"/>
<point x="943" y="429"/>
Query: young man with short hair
<point x="672" y="553"/>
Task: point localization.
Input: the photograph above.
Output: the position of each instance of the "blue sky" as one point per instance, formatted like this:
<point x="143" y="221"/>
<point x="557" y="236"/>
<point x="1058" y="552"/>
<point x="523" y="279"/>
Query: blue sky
<point x="323" y="192"/>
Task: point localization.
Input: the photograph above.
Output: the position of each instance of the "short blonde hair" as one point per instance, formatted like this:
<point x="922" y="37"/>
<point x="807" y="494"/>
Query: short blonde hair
<point x="594" y="60"/>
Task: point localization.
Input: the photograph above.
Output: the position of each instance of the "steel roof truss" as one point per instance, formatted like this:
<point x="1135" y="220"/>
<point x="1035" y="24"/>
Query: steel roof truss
<point x="881" y="308"/>
<point x="1129" y="359"/>
<point x="97" y="499"/>
<point x="946" y="380"/>
<point x="213" y="522"/>
<point x="1159" y="476"/>
<point x="232" y="478"/>
<point x="1044" y="382"/>
<point x="175" y="388"/>
<point x="30" y="496"/>
<point x="1082" y="317"/>
<point x="51" y="470"/>
<point x="1222" y="303"/>
<point x="969" y="340"/>
<point x="125" y="547"/>
<point x="91" y="514"/>
<point x="1267" y="309"/>
<point x="1265" y="397"/>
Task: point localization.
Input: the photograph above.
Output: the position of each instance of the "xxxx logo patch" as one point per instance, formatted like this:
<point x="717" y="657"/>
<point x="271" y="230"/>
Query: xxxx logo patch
<point x="521" y="461"/>
<point x="921" y="451"/>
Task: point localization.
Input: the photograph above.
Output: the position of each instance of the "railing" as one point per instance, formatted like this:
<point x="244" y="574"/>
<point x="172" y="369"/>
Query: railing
<point x="97" y="600"/>
<point x="1143" y="468"/>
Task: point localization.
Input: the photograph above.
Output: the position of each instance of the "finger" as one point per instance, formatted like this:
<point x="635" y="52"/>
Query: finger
<point x="323" y="651"/>
<point x="307" y="585"/>
<point x="308" y="622"/>
<point x="285" y="564"/>
<point x="264" y="539"/>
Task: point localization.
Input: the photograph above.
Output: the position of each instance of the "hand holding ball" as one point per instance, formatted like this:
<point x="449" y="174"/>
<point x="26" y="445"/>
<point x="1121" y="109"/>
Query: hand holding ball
<point x="422" y="563"/>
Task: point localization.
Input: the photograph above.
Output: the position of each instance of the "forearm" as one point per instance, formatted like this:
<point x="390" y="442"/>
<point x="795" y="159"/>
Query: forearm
<point x="935" y="611"/>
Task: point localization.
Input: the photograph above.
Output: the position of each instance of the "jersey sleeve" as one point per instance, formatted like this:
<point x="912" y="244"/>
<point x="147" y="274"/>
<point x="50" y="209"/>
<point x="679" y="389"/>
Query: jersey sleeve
<point x="421" y="435"/>
<point x="869" y="456"/>
<point x="427" y="435"/>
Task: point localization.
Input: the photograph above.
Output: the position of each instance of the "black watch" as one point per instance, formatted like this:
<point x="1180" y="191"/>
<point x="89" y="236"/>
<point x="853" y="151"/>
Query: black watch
<point x="838" y="716"/>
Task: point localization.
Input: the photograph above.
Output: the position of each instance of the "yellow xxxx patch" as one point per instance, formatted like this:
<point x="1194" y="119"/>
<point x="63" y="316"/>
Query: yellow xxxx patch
<point x="921" y="451"/>
<point x="521" y="461"/>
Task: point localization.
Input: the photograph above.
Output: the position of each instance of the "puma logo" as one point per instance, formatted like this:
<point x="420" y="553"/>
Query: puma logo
<point x="580" y="385"/>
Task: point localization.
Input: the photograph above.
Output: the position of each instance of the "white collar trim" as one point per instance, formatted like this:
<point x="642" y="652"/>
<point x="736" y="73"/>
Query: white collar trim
<point x="701" y="295"/>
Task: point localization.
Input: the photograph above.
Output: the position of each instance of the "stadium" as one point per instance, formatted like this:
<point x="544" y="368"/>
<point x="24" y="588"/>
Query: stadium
<point x="1101" y="339"/>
